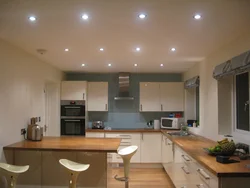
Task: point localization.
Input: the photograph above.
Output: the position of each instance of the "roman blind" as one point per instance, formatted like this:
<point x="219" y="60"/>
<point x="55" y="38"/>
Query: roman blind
<point x="192" y="82"/>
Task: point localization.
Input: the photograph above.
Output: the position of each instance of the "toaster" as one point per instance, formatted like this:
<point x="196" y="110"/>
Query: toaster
<point x="97" y="125"/>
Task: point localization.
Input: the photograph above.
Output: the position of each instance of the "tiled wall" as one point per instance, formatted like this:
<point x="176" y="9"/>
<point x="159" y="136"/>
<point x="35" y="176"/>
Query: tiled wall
<point x="125" y="114"/>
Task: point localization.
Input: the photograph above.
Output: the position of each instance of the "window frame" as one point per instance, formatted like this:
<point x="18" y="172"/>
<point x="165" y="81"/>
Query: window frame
<point x="235" y="130"/>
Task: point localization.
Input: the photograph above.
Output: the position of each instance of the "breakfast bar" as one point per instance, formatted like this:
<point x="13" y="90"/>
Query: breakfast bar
<point x="45" y="170"/>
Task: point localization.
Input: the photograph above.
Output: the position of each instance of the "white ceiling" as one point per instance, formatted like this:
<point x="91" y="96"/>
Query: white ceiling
<point x="115" y="26"/>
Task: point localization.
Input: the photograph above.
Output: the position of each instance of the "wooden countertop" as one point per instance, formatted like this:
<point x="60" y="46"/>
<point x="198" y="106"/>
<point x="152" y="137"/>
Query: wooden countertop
<point x="68" y="144"/>
<point x="124" y="130"/>
<point x="193" y="146"/>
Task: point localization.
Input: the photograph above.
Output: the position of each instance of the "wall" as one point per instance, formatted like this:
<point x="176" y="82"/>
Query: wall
<point x="22" y="83"/>
<point x="125" y="114"/>
<point x="209" y="86"/>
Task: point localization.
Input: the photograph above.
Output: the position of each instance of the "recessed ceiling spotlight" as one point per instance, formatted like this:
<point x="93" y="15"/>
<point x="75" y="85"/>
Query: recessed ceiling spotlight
<point x="138" y="49"/>
<point x="161" y="65"/>
<point x="173" y="49"/>
<point x="66" y="49"/>
<point x="83" y="65"/>
<point x="197" y="16"/>
<point x="142" y="16"/>
<point x="101" y="49"/>
<point x="135" y="65"/>
<point x="32" y="18"/>
<point x="109" y="65"/>
<point x="85" y="17"/>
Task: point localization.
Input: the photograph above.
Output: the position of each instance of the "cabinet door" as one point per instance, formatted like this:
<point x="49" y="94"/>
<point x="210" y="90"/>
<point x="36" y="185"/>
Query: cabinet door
<point x="94" y="135"/>
<point x="150" y="148"/>
<point x="172" y="96"/>
<point x="149" y="97"/>
<point x="97" y="96"/>
<point x="73" y="90"/>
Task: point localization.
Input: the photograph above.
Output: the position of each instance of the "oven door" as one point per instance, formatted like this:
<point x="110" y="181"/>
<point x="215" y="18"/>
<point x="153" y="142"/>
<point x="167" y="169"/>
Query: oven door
<point x="167" y="123"/>
<point x="73" y="127"/>
<point x="72" y="110"/>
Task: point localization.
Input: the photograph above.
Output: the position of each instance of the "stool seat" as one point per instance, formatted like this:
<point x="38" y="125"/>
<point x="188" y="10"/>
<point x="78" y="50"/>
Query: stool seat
<point x="73" y="166"/>
<point x="13" y="168"/>
<point x="127" y="151"/>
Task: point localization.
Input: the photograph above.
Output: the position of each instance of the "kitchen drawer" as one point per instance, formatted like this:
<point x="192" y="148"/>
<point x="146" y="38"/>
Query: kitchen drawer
<point x="191" y="185"/>
<point x="94" y="135"/>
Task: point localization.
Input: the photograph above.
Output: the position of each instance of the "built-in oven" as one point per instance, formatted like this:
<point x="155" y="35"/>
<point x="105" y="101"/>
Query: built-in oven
<point x="72" y="108"/>
<point x="73" y="126"/>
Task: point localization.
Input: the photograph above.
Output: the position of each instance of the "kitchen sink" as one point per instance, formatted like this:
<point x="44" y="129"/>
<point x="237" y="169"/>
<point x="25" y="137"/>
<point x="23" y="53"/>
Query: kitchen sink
<point x="179" y="133"/>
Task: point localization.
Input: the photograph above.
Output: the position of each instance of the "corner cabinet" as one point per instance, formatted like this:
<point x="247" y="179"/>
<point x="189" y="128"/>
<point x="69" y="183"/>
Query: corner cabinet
<point x="150" y="147"/>
<point x="73" y="90"/>
<point x="161" y="97"/>
<point x="97" y="96"/>
<point x="149" y="97"/>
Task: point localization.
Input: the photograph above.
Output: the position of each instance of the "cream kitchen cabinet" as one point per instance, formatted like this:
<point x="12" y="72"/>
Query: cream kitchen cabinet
<point x="172" y="96"/>
<point x="166" y="151"/>
<point x="73" y="90"/>
<point x="97" y="96"/>
<point x="149" y="97"/>
<point x="151" y="147"/>
<point x="95" y="135"/>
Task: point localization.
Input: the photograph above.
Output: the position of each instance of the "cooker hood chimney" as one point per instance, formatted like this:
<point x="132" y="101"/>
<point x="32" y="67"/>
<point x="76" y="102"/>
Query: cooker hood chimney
<point x="124" y="87"/>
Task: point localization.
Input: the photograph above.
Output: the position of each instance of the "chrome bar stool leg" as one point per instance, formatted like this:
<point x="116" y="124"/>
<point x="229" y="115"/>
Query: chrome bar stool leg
<point x="12" y="172"/>
<point x="126" y="154"/>
<point x="74" y="170"/>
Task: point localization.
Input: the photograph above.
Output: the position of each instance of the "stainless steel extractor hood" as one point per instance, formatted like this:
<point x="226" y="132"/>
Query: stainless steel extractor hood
<point x="124" y="87"/>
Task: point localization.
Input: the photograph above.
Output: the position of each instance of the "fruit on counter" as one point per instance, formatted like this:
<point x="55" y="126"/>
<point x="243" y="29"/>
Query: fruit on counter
<point x="225" y="140"/>
<point x="216" y="148"/>
<point x="223" y="146"/>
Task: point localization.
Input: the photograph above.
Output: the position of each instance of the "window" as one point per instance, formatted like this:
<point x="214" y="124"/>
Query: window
<point x="242" y="102"/>
<point x="197" y="104"/>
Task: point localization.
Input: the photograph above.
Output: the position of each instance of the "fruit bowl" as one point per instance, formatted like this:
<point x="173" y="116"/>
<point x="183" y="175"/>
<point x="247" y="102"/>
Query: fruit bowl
<point x="218" y="153"/>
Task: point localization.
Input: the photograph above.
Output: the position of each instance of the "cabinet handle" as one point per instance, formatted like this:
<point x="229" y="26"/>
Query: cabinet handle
<point x="185" y="158"/>
<point x="106" y="107"/>
<point x="141" y="107"/>
<point x="142" y="136"/>
<point x="83" y="96"/>
<point x="161" y="107"/>
<point x="200" y="186"/>
<point x="124" y="136"/>
<point x="203" y="173"/>
<point x="185" y="170"/>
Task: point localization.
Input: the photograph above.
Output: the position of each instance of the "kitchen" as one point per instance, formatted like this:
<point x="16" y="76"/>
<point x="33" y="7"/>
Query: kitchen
<point x="28" y="75"/>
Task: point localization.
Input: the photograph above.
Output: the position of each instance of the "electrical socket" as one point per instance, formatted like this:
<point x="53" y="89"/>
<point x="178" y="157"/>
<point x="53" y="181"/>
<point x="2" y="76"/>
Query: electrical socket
<point x="23" y="131"/>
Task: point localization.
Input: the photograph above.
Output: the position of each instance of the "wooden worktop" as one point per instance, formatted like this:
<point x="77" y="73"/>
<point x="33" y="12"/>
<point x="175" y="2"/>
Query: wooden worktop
<point x="124" y="130"/>
<point x="193" y="146"/>
<point x="68" y="144"/>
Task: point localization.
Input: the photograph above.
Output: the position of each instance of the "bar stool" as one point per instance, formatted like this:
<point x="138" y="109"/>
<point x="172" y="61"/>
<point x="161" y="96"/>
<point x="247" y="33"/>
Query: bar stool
<point x="12" y="172"/>
<point x="126" y="154"/>
<point x="74" y="169"/>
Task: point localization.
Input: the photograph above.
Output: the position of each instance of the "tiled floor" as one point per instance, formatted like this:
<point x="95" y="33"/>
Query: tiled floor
<point x="140" y="178"/>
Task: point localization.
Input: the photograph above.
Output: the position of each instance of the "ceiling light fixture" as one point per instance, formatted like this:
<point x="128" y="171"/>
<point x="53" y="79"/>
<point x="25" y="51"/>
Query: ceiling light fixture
<point x="173" y="49"/>
<point x="32" y="18"/>
<point x="85" y="17"/>
<point x="161" y="65"/>
<point x="197" y="16"/>
<point x="135" y="65"/>
<point x="83" y="65"/>
<point x="109" y="64"/>
<point x="138" y="49"/>
<point x="142" y="16"/>
<point x="66" y="49"/>
<point x="101" y="49"/>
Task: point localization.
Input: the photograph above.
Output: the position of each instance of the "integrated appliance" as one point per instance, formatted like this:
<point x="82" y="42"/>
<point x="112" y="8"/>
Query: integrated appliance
<point x="171" y="123"/>
<point x="97" y="125"/>
<point x="73" y="117"/>
<point x="34" y="131"/>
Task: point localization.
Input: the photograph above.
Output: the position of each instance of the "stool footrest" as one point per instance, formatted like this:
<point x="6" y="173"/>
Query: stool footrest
<point x="121" y="178"/>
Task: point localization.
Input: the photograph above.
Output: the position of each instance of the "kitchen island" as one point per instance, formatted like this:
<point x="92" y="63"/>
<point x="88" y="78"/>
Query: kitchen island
<point x="45" y="170"/>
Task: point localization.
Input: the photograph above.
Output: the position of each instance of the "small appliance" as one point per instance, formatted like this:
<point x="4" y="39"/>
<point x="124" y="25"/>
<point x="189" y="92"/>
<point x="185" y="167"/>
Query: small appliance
<point x="35" y="132"/>
<point x="156" y="124"/>
<point x="171" y="123"/>
<point x="97" y="125"/>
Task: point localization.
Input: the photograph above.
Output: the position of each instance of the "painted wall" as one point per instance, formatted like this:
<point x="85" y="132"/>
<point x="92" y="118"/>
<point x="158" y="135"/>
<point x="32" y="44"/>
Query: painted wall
<point x="125" y="114"/>
<point x="209" y="87"/>
<point x="22" y="83"/>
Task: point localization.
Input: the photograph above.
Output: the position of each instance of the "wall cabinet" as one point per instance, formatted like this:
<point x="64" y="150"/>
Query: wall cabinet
<point x="150" y="147"/>
<point x="97" y="96"/>
<point x="172" y="96"/>
<point x="161" y="96"/>
<point x="73" y="90"/>
<point x="150" y="97"/>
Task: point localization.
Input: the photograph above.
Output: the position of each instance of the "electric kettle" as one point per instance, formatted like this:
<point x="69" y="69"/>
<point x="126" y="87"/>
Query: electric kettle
<point x="35" y="132"/>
